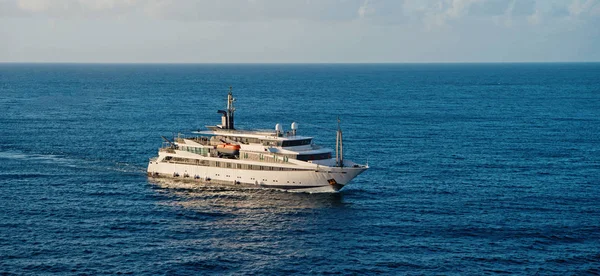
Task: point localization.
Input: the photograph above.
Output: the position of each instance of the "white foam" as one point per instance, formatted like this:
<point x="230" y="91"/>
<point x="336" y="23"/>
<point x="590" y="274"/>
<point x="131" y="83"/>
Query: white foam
<point x="72" y="162"/>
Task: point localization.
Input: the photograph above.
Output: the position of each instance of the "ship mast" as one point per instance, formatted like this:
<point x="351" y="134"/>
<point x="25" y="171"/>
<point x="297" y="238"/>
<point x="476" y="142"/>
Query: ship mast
<point x="227" y="116"/>
<point x="230" y="109"/>
<point x="339" y="146"/>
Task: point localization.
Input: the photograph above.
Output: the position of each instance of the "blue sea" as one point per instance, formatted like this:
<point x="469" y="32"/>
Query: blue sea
<point x="475" y="169"/>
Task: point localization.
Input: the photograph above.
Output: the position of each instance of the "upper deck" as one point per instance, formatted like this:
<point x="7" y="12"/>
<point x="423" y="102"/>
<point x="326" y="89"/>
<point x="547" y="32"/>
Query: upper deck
<point x="255" y="134"/>
<point x="224" y="141"/>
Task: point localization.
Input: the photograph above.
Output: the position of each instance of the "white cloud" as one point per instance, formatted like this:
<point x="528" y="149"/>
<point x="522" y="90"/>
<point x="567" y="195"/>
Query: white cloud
<point x="578" y="7"/>
<point x="459" y="8"/>
<point x="34" y="5"/>
<point x="507" y="19"/>
<point x="297" y="30"/>
<point x="535" y="18"/>
<point x="74" y="8"/>
<point x="73" y="5"/>
<point x="364" y="9"/>
<point x="438" y="13"/>
<point x="595" y="10"/>
<point x="429" y="13"/>
<point x="197" y="10"/>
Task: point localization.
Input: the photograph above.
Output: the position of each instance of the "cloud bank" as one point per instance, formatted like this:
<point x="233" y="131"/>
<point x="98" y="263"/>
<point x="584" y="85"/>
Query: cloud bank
<point x="299" y="30"/>
<point x="440" y="11"/>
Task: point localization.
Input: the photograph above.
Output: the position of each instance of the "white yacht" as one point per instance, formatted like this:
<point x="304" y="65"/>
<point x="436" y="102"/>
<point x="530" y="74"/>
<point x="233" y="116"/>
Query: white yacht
<point x="270" y="159"/>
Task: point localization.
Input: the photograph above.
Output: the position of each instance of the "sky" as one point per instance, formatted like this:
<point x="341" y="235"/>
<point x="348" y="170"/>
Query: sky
<point x="299" y="31"/>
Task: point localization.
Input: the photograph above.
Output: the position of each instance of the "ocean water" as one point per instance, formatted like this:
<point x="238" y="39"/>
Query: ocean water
<point x="475" y="169"/>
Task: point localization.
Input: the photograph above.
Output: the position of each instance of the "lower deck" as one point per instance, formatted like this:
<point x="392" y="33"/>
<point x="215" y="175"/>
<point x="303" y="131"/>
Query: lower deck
<point x="322" y="188"/>
<point x="330" y="180"/>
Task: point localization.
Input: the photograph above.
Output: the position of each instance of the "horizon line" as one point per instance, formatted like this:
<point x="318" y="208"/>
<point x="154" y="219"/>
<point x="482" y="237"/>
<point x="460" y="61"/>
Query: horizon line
<point x="290" y="63"/>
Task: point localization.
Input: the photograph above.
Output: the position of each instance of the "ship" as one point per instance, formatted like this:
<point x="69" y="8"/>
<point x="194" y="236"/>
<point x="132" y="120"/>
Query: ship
<point x="275" y="159"/>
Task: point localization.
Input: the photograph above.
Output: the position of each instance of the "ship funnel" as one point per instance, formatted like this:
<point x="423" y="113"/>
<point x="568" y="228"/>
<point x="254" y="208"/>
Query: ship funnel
<point x="294" y="128"/>
<point x="223" y="118"/>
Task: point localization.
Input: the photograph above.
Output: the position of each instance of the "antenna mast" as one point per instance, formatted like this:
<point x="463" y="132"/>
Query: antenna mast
<point x="339" y="146"/>
<point x="230" y="109"/>
<point x="227" y="115"/>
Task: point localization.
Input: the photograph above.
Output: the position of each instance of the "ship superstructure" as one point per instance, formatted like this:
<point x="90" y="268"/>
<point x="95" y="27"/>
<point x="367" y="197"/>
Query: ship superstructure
<point x="271" y="159"/>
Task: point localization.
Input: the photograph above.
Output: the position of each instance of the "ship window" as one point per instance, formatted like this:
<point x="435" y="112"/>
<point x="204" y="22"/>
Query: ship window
<point x="308" y="157"/>
<point x="269" y="143"/>
<point x="293" y="143"/>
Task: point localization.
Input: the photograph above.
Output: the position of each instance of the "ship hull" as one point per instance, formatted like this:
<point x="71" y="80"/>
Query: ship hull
<point x="325" y="179"/>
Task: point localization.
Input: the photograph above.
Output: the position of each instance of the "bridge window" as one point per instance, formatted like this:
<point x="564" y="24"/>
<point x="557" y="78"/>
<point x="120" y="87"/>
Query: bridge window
<point x="293" y="143"/>
<point x="320" y="156"/>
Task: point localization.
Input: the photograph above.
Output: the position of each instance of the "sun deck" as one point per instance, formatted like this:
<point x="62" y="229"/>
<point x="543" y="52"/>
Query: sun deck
<point x="257" y="134"/>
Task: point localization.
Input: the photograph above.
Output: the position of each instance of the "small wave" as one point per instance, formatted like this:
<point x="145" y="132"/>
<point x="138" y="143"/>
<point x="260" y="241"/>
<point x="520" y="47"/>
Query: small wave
<point x="23" y="175"/>
<point x="400" y="264"/>
<point x="497" y="271"/>
<point x="41" y="158"/>
<point x="15" y="155"/>
<point x="128" y="168"/>
<point x="62" y="160"/>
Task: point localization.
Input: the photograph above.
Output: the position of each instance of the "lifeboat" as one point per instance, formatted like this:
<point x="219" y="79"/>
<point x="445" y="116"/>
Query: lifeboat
<point x="228" y="149"/>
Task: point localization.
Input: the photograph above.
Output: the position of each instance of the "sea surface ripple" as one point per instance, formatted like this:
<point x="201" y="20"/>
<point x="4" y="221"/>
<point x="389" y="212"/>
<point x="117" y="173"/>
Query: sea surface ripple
<point x="475" y="169"/>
